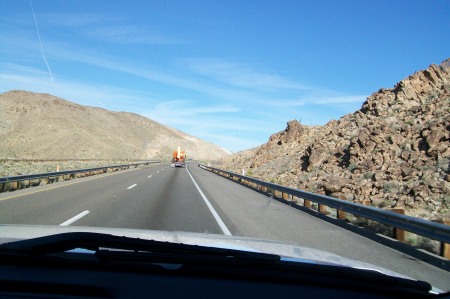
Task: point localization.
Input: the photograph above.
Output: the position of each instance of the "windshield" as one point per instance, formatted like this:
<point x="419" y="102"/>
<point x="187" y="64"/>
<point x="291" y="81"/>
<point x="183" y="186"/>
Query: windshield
<point x="320" y="124"/>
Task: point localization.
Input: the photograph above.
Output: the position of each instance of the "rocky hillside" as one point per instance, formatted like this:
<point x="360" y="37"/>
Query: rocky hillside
<point x="42" y="126"/>
<point x="393" y="152"/>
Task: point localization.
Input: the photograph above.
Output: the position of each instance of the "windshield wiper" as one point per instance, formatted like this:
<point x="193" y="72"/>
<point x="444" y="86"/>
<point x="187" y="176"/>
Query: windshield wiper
<point x="106" y="245"/>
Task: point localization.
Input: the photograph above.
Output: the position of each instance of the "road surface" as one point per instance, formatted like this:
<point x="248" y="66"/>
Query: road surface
<point x="191" y="199"/>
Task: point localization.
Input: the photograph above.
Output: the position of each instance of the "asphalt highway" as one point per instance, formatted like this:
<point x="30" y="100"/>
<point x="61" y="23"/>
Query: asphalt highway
<point x="191" y="199"/>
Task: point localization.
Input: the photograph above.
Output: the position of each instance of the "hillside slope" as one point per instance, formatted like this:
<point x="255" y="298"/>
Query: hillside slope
<point x="42" y="126"/>
<point x="393" y="152"/>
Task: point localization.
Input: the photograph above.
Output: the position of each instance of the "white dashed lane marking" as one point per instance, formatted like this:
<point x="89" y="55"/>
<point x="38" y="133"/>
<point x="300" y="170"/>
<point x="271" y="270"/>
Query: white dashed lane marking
<point x="75" y="218"/>
<point x="132" y="186"/>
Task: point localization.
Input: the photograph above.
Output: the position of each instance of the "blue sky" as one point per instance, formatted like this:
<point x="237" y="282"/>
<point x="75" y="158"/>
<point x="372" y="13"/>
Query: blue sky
<point x="229" y="72"/>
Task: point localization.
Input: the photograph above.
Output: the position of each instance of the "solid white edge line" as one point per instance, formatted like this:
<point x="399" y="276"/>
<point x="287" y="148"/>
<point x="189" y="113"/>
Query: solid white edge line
<point x="216" y="216"/>
<point x="132" y="186"/>
<point x="73" y="219"/>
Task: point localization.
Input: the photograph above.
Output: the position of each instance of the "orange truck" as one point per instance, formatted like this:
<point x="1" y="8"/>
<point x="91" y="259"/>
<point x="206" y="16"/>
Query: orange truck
<point x="178" y="158"/>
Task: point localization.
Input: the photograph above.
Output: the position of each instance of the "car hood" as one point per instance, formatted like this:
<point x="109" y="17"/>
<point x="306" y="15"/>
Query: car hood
<point x="288" y="251"/>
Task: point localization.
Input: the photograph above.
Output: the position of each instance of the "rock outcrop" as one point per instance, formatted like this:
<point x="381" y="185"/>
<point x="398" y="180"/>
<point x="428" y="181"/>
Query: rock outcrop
<point x="393" y="152"/>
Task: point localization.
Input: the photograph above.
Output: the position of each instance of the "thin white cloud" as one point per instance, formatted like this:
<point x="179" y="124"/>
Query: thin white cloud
<point x="150" y="73"/>
<point x="35" y="80"/>
<point x="319" y="99"/>
<point x="231" y="132"/>
<point x="59" y="19"/>
<point x="189" y="108"/>
<point x="101" y="27"/>
<point x="109" y="28"/>
<point x="20" y="45"/>
<point x="181" y="117"/>
<point x="341" y="99"/>
<point x="18" y="68"/>
<point x="231" y="95"/>
<point x="245" y="88"/>
<point x="233" y="143"/>
<point x="77" y="19"/>
<point x="129" y="34"/>
<point x="240" y="75"/>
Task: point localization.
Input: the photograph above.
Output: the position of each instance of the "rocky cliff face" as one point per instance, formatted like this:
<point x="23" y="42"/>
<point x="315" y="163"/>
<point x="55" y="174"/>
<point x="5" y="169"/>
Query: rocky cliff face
<point x="393" y="152"/>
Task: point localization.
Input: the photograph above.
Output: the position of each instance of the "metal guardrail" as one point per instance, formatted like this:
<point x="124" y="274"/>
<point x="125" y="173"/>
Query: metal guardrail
<point x="426" y="228"/>
<point x="26" y="177"/>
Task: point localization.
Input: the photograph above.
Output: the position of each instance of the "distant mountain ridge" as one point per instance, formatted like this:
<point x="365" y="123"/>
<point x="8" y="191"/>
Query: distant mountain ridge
<point x="42" y="126"/>
<point x="394" y="152"/>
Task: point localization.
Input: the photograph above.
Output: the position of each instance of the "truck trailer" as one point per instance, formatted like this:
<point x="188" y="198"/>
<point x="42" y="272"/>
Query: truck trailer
<point x="178" y="158"/>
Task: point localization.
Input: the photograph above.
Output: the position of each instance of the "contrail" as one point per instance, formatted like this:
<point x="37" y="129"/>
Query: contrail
<point x="40" y="42"/>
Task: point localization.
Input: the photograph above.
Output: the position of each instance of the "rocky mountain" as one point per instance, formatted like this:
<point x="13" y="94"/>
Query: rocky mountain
<point x="393" y="152"/>
<point x="42" y="126"/>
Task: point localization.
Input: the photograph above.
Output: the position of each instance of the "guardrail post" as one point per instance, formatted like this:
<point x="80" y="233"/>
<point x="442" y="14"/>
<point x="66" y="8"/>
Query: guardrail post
<point x="445" y="247"/>
<point x="285" y="196"/>
<point x="307" y="203"/>
<point x="14" y="186"/>
<point x="445" y="250"/>
<point x="323" y="209"/>
<point x="399" y="234"/>
<point x="341" y="214"/>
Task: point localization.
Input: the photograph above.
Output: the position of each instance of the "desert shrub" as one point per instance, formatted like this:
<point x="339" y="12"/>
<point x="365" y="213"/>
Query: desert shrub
<point x="423" y="243"/>
<point x="443" y="163"/>
<point x="352" y="166"/>
<point x="389" y="187"/>
<point x="373" y="226"/>
<point x="368" y="175"/>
